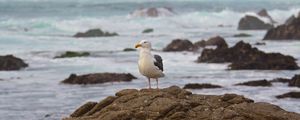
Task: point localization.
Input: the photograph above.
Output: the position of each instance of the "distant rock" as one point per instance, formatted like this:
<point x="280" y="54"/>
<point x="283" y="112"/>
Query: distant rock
<point x="69" y="54"/>
<point x="295" y="81"/>
<point x="174" y="103"/>
<point x="242" y="35"/>
<point x="180" y="45"/>
<point x="200" y="86"/>
<point x="253" y="23"/>
<point x="289" y="31"/>
<point x="264" y="13"/>
<point x="244" y="56"/>
<point x="129" y="49"/>
<point x="148" y="30"/>
<point x="289" y="95"/>
<point x="281" y="80"/>
<point x="260" y="43"/>
<point x="98" y="78"/>
<point x="153" y="12"/>
<point x="95" y="33"/>
<point x="213" y="41"/>
<point x="10" y="62"/>
<point x="263" y="83"/>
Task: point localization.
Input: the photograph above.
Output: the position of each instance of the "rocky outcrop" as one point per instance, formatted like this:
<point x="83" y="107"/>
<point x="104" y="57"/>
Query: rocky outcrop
<point x="253" y="23"/>
<point x="129" y="49"/>
<point x="290" y="20"/>
<point x="153" y="12"/>
<point x="244" y="56"/>
<point x="69" y="54"/>
<point x="242" y="35"/>
<point x="10" y="62"/>
<point x="292" y="94"/>
<point x="98" y="78"/>
<point x="148" y="30"/>
<point x="95" y="33"/>
<point x="180" y="45"/>
<point x="174" y="103"/>
<point x="290" y="31"/>
<point x="281" y="80"/>
<point x="201" y="86"/>
<point x="260" y="43"/>
<point x="265" y="14"/>
<point x="295" y="81"/>
<point x="213" y="41"/>
<point x="263" y="83"/>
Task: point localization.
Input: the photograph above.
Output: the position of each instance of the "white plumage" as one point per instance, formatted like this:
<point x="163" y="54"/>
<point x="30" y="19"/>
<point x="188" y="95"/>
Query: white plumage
<point x="149" y="65"/>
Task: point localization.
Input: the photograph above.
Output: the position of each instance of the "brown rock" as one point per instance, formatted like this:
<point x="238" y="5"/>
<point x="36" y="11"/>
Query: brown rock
<point x="263" y="83"/>
<point x="264" y="13"/>
<point x="180" y="45"/>
<point x="289" y="95"/>
<point x="10" y="62"/>
<point x="168" y="104"/>
<point x="200" y="44"/>
<point x="98" y="78"/>
<point x="295" y="81"/>
<point x="95" y="33"/>
<point x="200" y="86"/>
<point x="213" y="41"/>
<point x="282" y="80"/>
<point x="83" y="109"/>
<point x="253" y="23"/>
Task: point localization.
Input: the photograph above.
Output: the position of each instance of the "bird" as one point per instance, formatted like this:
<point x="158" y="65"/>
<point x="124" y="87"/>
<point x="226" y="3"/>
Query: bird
<point x="150" y="66"/>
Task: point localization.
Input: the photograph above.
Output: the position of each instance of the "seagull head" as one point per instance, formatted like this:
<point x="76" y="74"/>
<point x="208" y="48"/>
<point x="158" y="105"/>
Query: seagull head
<point x="143" y="44"/>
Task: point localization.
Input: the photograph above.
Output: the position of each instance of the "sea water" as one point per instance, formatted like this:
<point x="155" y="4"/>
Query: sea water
<point x="39" y="30"/>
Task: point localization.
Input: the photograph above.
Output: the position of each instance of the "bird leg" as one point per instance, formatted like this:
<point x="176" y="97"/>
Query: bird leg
<point x="149" y="83"/>
<point x="156" y="83"/>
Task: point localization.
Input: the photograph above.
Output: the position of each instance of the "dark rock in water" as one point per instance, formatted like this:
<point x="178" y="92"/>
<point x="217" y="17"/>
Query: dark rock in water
<point x="129" y="49"/>
<point x="200" y="86"/>
<point x="242" y="35"/>
<point x="180" y="45"/>
<point x="289" y="31"/>
<point x="98" y="78"/>
<point x="260" y="43"/>
<point x="295" y="81"/>
<point x="174" y="103"/>
<point x="148" y="30"/>
<point x="153" y="12"/>
<point x="95" y="33"/>
<point x="290" y="20"/>
<point x="253" y="23"/>
<point x="213" y="41"/>
<point x="263" y="83"/>
<point x="10" y="62"/>
<point x="69" y="54"/>
<point x="264" y="13"/>
<point x="243" y="56"/>
<point x="281" y="80"/>
<point x="289" y="95"/>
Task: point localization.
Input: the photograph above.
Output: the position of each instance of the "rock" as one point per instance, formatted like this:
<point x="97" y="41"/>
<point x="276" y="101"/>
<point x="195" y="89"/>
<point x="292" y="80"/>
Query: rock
<point x="260" y="43"/>
<point x="289" y="95"/>
<point x="281" y="80"/>
<point x="10" y="62"/>
<point x="253" y="23"/>
<point x="129" y="49"/>
<point x="290" y="20"/>
<point x="289" y="31"/>
<point x="174" y="103"/>
<point x="263" y="83"/>
<point x="295" y="81"/>
<point x="69" y="54"/>
<point x="179" y="45"/>
<point x="98" y="78"/>
<point x="264" y="13"/>
<point x="153" y="12"/>
<point x="200" y="86"/>
<point x="95" y="33"/>
<point x="243" y="56"/>
<point x="213" y="41"/>
<point x="148" y="30"/>
<point x="242" y="35"/>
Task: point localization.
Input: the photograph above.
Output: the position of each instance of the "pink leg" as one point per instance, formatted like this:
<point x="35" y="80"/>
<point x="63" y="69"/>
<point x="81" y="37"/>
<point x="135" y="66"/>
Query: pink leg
<point x="156" y="83"/>
<point x="149" y="83"/>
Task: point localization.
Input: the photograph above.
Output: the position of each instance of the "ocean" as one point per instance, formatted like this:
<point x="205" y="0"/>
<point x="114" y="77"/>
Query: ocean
<point x="38" y="30"/>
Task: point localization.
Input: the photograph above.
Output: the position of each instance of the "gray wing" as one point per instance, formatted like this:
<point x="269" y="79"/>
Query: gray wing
<point x="158" y="62"/>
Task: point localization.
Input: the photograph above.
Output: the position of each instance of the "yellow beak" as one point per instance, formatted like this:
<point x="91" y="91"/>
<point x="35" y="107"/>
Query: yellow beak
<point x="138" y="45"/>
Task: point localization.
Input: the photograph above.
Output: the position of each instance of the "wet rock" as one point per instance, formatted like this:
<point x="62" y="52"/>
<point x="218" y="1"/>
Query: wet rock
<point x="242" y="35"/>
<point x="200" y="86"/>
<point x="69" y="54"/>
<point x="153" y="12"/>
<point x="10" y="62"/>
<point x="244" y="56"/>
<point x="174" y="103"/>
<point x="281" y="80"/>
<point x="263" y="83"/>
<point x="264" y="13"/>
<point x="295" y="81"/>
<point x="260" y="43"/>
<point x="290" y="31"/>
<point x="289" y="95"/>
<point x="129" y="49"/>
<point x="179" y="45"/>
<point x="83" y="109"/>
<point x="148" y="30"/>
<point x="290" y="20"/>
<point x="213" y="41"/>
<point x="98" y="78"/>
<point x="95" y="33"/>
<point x="253" y="23"/>
<point x="200" y="44"/>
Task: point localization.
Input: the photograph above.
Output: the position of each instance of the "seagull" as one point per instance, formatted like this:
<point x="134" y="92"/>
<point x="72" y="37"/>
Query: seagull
<point x="150" y="66"/>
